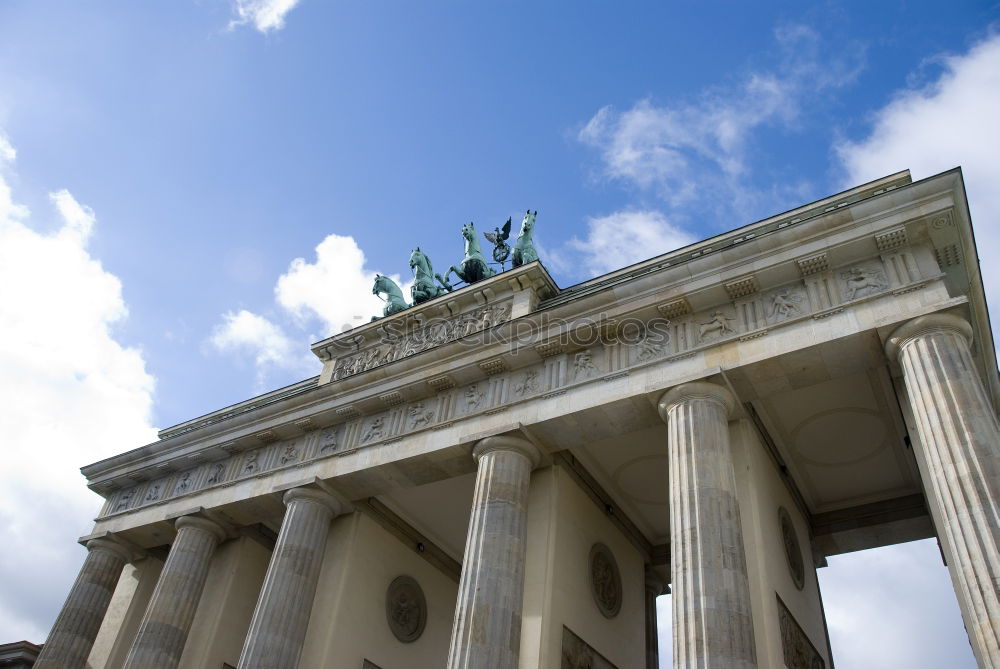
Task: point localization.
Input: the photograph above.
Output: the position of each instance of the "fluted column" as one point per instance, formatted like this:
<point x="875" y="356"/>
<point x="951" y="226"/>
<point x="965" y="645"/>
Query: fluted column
<point x="75" y="630"/>
<point x="959" y="456"/>
<point x="712" y="626"/>
<point x="487" y="626"/>
<point x="279" y="623"/>
<point x="165" y="625"/>
<point x="655" y="586"/>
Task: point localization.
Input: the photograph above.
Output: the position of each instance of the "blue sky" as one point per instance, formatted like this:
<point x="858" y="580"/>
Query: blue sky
<point x="183" y="186"/>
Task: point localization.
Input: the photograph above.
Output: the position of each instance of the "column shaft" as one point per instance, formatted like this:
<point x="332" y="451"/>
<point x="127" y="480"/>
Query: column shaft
<point x="278" y="628"/>
<point x="487" y="626"/>
<point x="165" y="625"/>
<point x="960" y="458"/>
<point x="712" y="625"/>
<point x="654" y="588"/>
<point x="75" y="630"/>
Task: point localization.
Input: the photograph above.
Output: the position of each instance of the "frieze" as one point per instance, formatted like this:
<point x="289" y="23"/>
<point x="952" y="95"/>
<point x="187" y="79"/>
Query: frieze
<point x="392" y="346"/>
<point x="654" y="342"/>
<point x="797" y="650"/>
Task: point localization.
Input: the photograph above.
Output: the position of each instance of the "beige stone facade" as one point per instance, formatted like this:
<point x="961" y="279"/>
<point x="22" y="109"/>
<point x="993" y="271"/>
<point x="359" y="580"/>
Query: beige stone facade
<point x="507" y="476"/>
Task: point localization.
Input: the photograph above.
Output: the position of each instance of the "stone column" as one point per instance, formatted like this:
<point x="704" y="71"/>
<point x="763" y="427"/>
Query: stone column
<point x="655" y="586"/>
<point x="711" y="595"/>
<point x="165" y="625"/>
<point x="487" y="627"/>
<point x="75" y="630"/>
<point x="959" y="454"/>
<point x="279" y="623"/>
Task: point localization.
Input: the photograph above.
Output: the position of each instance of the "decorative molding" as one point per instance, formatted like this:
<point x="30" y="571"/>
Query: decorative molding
<point x="737" y="288"/>
<point x="441" y="383"/>
<point x="391" y="399"/>
<point x="493" y="366"/>
<point x="891" y="239"/>
<point x="549" y="348"/>
<point x="674" y="308"/>
<point x="814" y="264"/>
<point x="348" y="412"/>
<point x="948" y="256"/>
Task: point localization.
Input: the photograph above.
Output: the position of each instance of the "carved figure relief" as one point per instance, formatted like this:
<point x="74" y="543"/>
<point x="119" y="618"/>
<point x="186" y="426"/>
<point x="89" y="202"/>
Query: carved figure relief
<point x="719" y="325"/>
<point x="785" y="304"/>
<point x="435" y="334"/>
<point x="793" y="551"/>
<point x="474" y="398"/>
<point x="861" y="282"/>
<point x="328" y="439"/>
<point x="577" y="654"/>
<point x="217" y="470"/>
<point x="605" y="580"/>
<point x="125" y="498"/>
<point x="797" y="650"/>
<point x="184" y="482"/>
<point x="528" y="384"/>
<point x="289" y="454"/>
<point x="583" y="365"/>
<point x="405" y="609"/>
<point x="647" y="349"/>
<point x="374" y="430"/>
<point x="153" y="494"/>
<point x="420" y="415"/>
<point x="250" y="465"/>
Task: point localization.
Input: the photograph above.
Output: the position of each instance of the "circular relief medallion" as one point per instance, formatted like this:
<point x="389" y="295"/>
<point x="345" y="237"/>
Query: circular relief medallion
<point x="605" y="580"/>
<point x="405" y="609"/>
<point x="793" y="551"/>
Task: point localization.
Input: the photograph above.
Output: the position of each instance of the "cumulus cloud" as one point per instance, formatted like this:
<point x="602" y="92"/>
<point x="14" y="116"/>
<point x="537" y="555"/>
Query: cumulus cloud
<point x="949" y="122"/>
<point x="894" y="608"/>
<point x="334" y="291"/>
<point x="686" y="149"/>
<point x="336" y="288"/>
<point x="626" y="237"/>
<point x="245" y="332"/>
<point x="71" y="394"/>
<point x="265" y="15"/>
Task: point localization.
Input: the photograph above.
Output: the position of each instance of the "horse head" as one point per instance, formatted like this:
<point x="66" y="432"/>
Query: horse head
<point x="469" y="231"/>
<point x="528" y="222"/>
<point x="377" y="288"/>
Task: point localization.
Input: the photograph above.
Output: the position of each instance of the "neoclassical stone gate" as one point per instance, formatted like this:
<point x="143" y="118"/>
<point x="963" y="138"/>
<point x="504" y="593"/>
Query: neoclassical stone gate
<point x="509" y="474"/>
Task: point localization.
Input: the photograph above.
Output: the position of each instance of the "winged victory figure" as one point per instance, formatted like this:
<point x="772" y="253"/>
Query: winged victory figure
<point x="501" y="251"/>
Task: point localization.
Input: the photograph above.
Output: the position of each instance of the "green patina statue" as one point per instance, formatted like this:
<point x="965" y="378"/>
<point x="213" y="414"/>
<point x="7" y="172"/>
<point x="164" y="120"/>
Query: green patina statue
<point x="501" y="250"/>
<point x="524" y="248"/>
<point x="394" y="301"/>
<point x="423" y="288"/>
<point x="473" y="267"/>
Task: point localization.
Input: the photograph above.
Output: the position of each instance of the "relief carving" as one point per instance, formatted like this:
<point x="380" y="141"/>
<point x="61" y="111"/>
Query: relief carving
<point x="793" y="551"/>
<point x="289" y="454"/>
<point x="717" y="326"/>
<point x="862" y="282"/>
<point x="583" y="365"/>
<point x="785" y="304"/>
<point x="528" y="384"/>
<point x="474" y="398"/>
<point x="374" y="430"/>
<point x="184" y="483"/>
<point x="217" y="470"/>
<point x="328" y="439"/>
<point x="405" y="609"/>
<point x="797" y="649"/>
<point x="577" y="654"/>
<point x="125" y="498"/>
<point x="648" y="349"/>
<point x="154" y="493"/>
<point x="250" y="465"/>
<point x="404" y="345"/>
<point x="605" y="580"/>
<point x="419" y="415"/>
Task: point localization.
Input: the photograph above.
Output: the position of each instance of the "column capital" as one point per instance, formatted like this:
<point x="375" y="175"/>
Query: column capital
<point x="924" y="325"/>
<point x="113" y="547"/>
<point x="696" y="390"/>
<point x="507" y="443"/>
<point x="315" y="496"/>
<point x="203" y="524"/>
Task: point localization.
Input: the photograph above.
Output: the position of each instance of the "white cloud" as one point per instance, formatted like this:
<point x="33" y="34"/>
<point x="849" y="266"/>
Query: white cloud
<point x="71" y="395"/>
<point x="265" y="15"/>
<point x="894" y="608"/>
<point x="626" y="237"/>
<point x="247" y="332"/>
<point x="950" y="122"/>
<point x="335" y="290"/>
<point x="337" y="287"/>
<point x="684" y="150"/>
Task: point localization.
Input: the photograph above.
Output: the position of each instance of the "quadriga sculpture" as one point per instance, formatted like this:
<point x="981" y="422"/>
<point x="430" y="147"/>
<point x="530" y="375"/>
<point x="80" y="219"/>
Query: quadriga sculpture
<point x="524" y="247"/>
<point x="473" y="267"/>
<point x="394" y="301"/>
